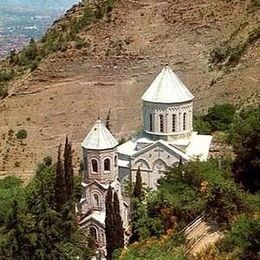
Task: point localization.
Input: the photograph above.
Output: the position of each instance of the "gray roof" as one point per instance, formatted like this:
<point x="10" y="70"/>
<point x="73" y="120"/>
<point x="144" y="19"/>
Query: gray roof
<point x="167" y="88"/>
<point x="99" y="138"/>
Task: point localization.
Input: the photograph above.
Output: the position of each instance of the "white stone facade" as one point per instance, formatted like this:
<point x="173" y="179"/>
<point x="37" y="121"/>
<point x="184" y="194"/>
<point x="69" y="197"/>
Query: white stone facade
<point x="168" y="121"/>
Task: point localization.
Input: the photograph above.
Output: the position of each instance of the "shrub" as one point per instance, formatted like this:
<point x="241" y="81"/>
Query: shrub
<point x="34" y="66"/>
<point x="243" y="240"/>
<point x="47" y="160"/>
<point x="220" y="117"/>
<point x="200" y="125"/>
<point x="17" y="164"/>
<point x="21" y="134"/>
<point x="3" y="91"/>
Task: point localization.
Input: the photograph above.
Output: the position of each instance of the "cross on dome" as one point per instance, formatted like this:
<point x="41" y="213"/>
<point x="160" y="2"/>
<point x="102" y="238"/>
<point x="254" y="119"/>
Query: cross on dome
<point x="167" y="88"/>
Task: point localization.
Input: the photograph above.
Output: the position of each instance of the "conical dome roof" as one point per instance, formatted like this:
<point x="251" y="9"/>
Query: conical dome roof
<point x="99" y="138"/>
<point x="167" y="88"/>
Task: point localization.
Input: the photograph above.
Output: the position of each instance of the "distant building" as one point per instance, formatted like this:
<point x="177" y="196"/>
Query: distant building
<point x="167" y="138"/>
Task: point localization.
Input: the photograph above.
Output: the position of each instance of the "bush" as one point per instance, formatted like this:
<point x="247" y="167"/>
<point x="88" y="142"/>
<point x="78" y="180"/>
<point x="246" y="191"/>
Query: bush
<point x="47" y="160"/>
<point x="3" y="91"/>
<point x="34" y="66"/>
<point x="243" y="240"/>
<point x="21" y="134"/>
<point x="17" y="164"/>
<point x="220" y="117"/>
<point x="201" y="126"/>
<point x="188" y="190"/>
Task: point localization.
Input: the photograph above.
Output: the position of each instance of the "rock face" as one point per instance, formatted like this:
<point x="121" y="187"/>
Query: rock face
<point x="70" y="89"/>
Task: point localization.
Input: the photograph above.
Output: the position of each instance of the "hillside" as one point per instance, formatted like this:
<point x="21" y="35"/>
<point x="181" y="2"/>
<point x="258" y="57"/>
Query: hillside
<point x="108" y="62"/>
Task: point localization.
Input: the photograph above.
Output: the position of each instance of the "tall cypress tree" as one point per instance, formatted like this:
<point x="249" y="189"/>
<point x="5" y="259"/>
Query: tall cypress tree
<point x="180" y="161"/>
<point x="138" y="192"/>
<point x="68" y="169"/>
<point x="108" y="120"/>
<point x="60" y="185"/>
<point x="109" y="222"/>
<point x="118" y="224"/>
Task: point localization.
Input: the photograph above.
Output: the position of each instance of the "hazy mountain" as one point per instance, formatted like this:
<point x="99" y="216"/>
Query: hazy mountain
<point x="39" y="4"/>
<point x="21" y="20"/>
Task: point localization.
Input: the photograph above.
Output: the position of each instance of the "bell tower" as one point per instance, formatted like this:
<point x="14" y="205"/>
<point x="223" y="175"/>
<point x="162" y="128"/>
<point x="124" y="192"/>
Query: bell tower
<point x="100" y="170"/>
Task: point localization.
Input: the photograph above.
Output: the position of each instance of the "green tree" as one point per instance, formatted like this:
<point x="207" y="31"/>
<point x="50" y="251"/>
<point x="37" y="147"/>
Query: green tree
<point x="16" y="242"/>
<point x="44" y="218"/>
<point x="10" y="189"/>
<point x="31" y="50"/>
<point x="201" y="125"/>
<point x="243" y="239"/>
<point x="118" y="224"/>
<point x="138" y="188"/>
<point x="13" y="57"/>
<point x="245" y="122"/>
<point x="109" y="222"/>
<point x="143" y="226"/>
<point x="246" y="167"/>
<point x="108" y="120"/>
<point x="245" y="138"/>
<point x="60" y="184"/>
<point x="56" y="236"/>
<point x="220" y="117"/>
<point x="68" y="169"/>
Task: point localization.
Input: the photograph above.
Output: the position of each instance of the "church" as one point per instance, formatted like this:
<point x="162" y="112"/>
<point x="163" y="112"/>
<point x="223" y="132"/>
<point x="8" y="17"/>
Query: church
<point x="166" y="138"/>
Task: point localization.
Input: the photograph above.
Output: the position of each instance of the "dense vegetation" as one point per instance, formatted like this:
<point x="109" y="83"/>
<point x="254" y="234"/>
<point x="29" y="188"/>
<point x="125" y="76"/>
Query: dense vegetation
<point x="197" y="187"/>
<point x="38" y="221"/>
<point x="218" y="118"/>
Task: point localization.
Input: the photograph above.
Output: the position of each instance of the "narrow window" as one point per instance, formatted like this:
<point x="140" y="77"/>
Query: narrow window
<point x="151" y="122"/>
<point x="107" y="165"/>
<point x="93" y="233"/>
<point x="96" y="200"/>
<point x="184" y="121"/>
<point x="161" y="123"/>
<point x="94" y="164"/>
<point x="115" y="161"/>
<point x="85" y="164"/>
<point x="174" y="123"/>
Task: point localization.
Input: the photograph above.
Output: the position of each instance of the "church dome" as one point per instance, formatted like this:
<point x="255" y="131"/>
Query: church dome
<point x="167" y="88"/>
<point x="99" y="138"/>
<point x="167" y="108"/>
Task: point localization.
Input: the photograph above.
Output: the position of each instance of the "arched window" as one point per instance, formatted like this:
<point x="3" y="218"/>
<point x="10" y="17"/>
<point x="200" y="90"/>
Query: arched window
<point x="161" y="123"/>
<point x="102" y="237"/>
<point x="93" y="232"/>
<point x="107" y="164"/>
<point x="94" y="164"/>
<point x="96" y="200"/>
<point x="151" y="122"/>
<point x="174" y="123"/>
<point x="184" y="121"/>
